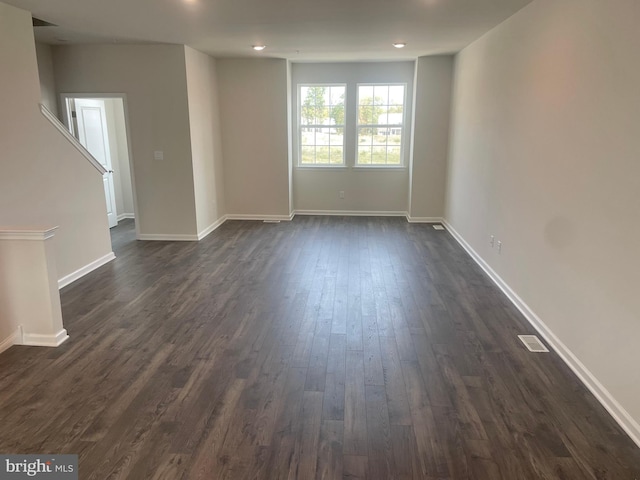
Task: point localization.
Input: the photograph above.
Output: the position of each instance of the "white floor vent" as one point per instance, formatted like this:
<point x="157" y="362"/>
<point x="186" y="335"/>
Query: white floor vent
<point x="438" y="227"/>
<point x="533" y="343"/>
<point x="271" y="221"/>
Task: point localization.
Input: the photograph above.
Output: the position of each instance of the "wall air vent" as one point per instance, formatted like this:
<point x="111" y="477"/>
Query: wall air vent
<point x="533" y="343"/>
<point x="42" y="23"/>
<point x="437" y="226"/>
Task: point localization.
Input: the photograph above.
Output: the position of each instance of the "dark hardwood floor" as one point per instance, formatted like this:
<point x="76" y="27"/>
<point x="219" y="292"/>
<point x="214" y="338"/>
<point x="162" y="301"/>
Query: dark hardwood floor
<point x="321" y="348"/>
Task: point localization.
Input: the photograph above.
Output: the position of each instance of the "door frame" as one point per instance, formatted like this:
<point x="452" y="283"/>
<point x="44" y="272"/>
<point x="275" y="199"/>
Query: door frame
<point x="123" y="96"/>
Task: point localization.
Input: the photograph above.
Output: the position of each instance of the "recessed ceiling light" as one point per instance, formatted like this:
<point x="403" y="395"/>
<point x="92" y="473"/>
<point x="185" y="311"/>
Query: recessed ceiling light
<point x="259" y="48"/>
<point x="399" y="44"/>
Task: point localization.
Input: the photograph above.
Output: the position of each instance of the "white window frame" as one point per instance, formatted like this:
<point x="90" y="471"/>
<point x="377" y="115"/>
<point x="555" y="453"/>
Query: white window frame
<point x="299" y="122"/>
<point x="402" y="163"/>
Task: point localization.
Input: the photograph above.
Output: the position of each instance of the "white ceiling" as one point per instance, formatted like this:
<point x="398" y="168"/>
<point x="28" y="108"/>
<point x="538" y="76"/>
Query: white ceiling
<point x="303" y="30"/>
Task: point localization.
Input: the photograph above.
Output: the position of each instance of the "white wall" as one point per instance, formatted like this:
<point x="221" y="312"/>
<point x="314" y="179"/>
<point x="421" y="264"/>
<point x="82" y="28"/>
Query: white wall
<point x="30" y="312"/>
<point x="434" y="77"/>
<point x="117" y="131"/>
<point x="545" y="155"/>
<point x="206" y="144"/>
<point x="154" y="79"/>
<point x="44" y="181"/>
<point x="47" y="77"/>
<point x="253" y="112"/>
<point x="366" y="189"/>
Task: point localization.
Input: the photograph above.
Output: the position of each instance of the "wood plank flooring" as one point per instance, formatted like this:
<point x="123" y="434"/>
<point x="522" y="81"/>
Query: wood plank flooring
<point x="322" y="348"/>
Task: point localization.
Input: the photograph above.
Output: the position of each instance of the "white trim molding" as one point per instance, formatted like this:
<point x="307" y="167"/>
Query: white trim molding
<point x="72" y="140"/>
<point x="212" y="227"/>
<point x="81" y="272"/>
<point x="32" y="234"/>
<point x="11" y="340"/>
<point x="38" y="340"/>
<point x="617" y="411"/>
<point x="351" y="213"/>
<point x="411" y="219"/>
<point x="124" y="216"/>
<point x="285" y="218"/>
<point x="241" y="216"/>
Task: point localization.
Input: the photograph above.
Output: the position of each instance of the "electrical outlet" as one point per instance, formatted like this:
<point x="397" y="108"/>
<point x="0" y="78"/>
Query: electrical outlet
<point x="499" y="247"/>
<point x="341" y="194"/>
<point x="492" y="240"/>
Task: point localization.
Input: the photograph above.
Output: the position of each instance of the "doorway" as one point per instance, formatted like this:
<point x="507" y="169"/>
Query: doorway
<point x="99" y="123"/>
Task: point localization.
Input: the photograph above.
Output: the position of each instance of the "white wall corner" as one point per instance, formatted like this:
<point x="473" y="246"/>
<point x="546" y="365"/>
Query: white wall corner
<point x="39" y="340"/>
<point x="124" y="216"/>
<point x="212" y="227"/>
<point x="615" y="409"/>
<point x="14" y="339"/>
<point x="81" y="272"/>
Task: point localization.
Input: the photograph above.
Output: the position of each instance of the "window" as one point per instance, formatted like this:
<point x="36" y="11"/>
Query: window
<point x="321" y="121"/>
<point x="380" y="124"/>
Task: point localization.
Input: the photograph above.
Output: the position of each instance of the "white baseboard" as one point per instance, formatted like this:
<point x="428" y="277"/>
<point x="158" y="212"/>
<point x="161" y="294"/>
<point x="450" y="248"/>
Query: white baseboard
<point x="351" y="213"/>
<point x="124" y="216"/>
<point x="617" y="411"/>
<point x="241" y="216"/>
<point x="161" y="237"/>
<point x="37" y="340"/>
<point x="72" y="277"/>
<point x="212" y="227"/>
<point x="10" y="341"/>
<point x="411" y="219"/>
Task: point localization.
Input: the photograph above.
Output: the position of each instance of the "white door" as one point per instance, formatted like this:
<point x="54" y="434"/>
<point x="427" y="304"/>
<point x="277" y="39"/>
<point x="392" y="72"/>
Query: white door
<point x="92" y="133"/>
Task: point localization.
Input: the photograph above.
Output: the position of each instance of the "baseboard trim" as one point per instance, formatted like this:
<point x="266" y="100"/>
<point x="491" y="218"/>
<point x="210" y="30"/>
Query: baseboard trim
<point x="37" y="340"/>
<point x="350" y="213"/>
<point x="124" y="216"/>
<point x="241" y="216"/>
<point x="72" y="277"/>
<point x="10" y="341"/>
<point x="411" y="219"/>
<point x="212" y="227"/>
<point x="167" y="237"/>
<point x="617" y="411"/>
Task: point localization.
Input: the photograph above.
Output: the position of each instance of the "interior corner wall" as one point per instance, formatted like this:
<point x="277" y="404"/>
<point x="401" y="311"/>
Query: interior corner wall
<point x="206" y="144"/>
<point x="44" y="181"/>
<point x="365" y="189"/>
<point x="47" y="77"/>
<point x="153" y="78"/>
<point x="253" y="109"/>
<point x="434" y="79"/>
<point x="544" y="155"/>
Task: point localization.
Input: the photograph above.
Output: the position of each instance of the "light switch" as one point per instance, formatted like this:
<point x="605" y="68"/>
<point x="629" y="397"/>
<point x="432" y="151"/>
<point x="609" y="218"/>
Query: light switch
<point x="158" y="155"/>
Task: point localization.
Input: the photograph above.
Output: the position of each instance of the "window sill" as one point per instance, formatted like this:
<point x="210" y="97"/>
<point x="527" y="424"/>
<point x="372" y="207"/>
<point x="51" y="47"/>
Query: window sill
<point x="321" y="167"/>
<point x="379" y="167"/>
<point x="350" y="167"/>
